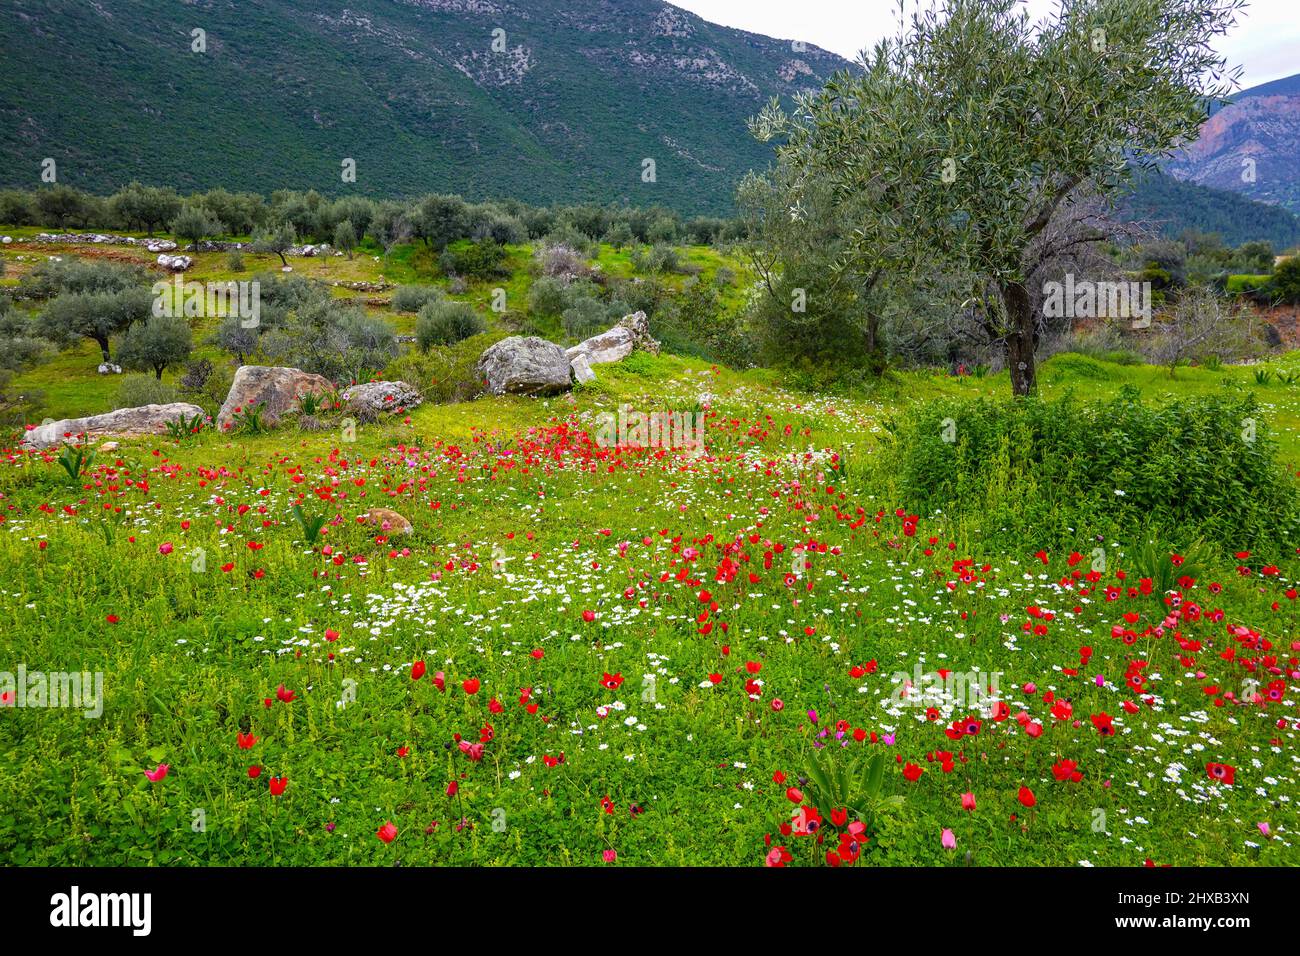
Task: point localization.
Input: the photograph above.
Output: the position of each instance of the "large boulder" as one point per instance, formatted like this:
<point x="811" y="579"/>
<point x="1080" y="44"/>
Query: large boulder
<point x="369" y="400"/>
<point x="631" y="333"/>
<point x="123" y="423"/>
<point x="276" y="389"/>
<point x="524" y="366"/>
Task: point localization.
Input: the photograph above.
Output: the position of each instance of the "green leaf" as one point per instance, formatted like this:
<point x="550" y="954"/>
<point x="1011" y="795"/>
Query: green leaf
<point x="818" y="777"/>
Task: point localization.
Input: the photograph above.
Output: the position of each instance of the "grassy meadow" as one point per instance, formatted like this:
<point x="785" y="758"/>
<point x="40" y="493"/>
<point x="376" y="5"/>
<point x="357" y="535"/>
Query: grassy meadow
<point x="594" y="655"/>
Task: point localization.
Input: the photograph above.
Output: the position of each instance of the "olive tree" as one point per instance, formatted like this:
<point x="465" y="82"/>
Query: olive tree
<point x="155" y="344"/>
<point x="93" y="315"/>
<point x="194" y="224"/>
<point x="278" y="239"/>
<point x="961" y="137"/>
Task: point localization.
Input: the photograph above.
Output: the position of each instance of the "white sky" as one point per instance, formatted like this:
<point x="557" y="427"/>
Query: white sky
<point x="1266" y="40"/>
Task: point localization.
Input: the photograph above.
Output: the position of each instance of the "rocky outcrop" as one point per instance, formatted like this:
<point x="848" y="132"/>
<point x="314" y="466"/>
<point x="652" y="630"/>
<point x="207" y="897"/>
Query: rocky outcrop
<point x="524" y="366"/>
<point x="123" y="423"/>
<point x="274" y="388"/>
<point x="372" y="399"/>
<point x="631" y="333"/>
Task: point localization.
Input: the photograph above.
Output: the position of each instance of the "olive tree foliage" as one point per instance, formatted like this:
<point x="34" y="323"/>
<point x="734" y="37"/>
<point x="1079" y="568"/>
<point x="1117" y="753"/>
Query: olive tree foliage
<point x="88" y="299"/>
<point x="278" y="238"/>
<point x="962" y="136"/>
<point x="21" y="347"/>
<point x="194" y="224"/>
<point x="325" y="336"/>
<point x="155" y="344"/>
<point x="813" y="302"/>
<point x="146" y="207"/>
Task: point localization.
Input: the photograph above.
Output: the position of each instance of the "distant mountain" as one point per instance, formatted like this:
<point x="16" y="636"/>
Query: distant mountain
<point x="1172" y="206"/>
<point x="1250" y="146"/>
<point x="545" y="100"/>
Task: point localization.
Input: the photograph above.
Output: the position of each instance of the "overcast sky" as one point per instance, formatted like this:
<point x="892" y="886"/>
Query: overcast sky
<point x="1266" y="40"/>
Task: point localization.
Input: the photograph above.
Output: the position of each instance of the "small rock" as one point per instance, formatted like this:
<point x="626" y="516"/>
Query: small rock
<point x="582" y="369"/>
<point x="175" y="263"/>
<point x="388" y="520"/>
<point x="372" y="399"/>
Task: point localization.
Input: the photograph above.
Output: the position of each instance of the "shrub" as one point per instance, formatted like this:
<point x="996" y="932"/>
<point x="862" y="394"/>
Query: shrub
<point x="479" y="260"/>
<point x="1286" y="280"/>
<point x="443" y="375"/>
<point x="583" y="318"/>
<point x="1058" y="473"/>
<point x="561" y="259"/>
<point x="143" y="389"/>
<point x="548" y="297"/>
<point x="694" y="323"/>
<point x="412" y="298"/>
<point x="446" y="323"/>
<point x="333" y="339"/>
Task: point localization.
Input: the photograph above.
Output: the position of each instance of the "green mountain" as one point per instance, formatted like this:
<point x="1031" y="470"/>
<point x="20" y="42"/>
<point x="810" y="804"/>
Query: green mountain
<point x="1172" y="206"/>
<point x="544" y="100"/>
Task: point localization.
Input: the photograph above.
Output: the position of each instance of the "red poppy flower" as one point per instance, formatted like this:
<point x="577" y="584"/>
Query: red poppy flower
<point x="1221" y="772"/>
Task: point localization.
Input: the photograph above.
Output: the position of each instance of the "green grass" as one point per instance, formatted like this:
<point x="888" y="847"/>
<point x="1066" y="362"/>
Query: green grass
<point x="520" y="524"/>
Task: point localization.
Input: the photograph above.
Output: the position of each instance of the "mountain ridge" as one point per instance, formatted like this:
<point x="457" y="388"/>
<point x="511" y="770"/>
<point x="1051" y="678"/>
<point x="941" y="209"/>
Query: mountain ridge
<point x="558" y="100"/>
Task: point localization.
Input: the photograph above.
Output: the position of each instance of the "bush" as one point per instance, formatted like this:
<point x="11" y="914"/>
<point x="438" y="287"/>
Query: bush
<point x="444" y="375"/>
<point x="585" y="317"/>
<point x="561" y="259"/>
<point x="548" y="297"/>
<point x="446" y="323"/>
<point x="333" y="339"/>
<point x="1286" y="280"/>
<point x="413" y="298"/>
<point x="1257" y="288"/>
<point x="1059" y="473"/>
<point x="694" y="323"/>
<point x="135" y="390"/>
<point x="478" y="260"/>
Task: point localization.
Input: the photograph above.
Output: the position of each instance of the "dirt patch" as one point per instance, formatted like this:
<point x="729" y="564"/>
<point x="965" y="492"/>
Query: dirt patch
<point x="1286" y="320"/>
